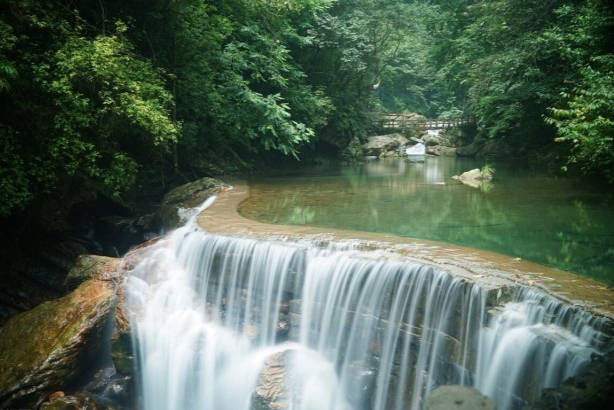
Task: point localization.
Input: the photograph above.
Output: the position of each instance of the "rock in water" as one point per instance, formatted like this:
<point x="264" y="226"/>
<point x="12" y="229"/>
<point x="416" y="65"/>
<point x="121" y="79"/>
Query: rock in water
<point x="78" y="401"/>
<point x="457" y="398"/>
<point x="272" y="392"/>
<point x="47" y="348"/>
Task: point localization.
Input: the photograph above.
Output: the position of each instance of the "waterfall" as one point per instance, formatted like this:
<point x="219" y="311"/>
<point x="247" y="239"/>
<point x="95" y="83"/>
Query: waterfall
<point x="235" y="323"/>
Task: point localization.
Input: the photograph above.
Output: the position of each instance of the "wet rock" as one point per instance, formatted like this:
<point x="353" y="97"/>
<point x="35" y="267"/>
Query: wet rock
<point x="26" y="284"/>
<point x="474" y="174"/>
<point x="471" y="149"/>
<point x="49" y="347"/>
<point x="111" y="385"/>
<point x="78" y="401"/>
<point x="272" y="391"/>
<point x="475" y="177"/>
<point x="382" y="145"/>
<point x="354" y="149"/>
<point x="93" y="267"/>
<point x="64" y="252"/>
<point x="495" y="149"/>
<point x="592" y="388"/>
<point x="122" y="349"/>
<point x="441" y="151"/>
<point x="179" y="204"/>
<point x="457" y="398"/>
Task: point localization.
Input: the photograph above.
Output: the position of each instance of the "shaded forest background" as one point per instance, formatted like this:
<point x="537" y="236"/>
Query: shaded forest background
<point x="101" y="97"/>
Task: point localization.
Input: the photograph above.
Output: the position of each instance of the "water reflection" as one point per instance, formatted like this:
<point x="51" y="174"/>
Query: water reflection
<point x="555" y="221"/>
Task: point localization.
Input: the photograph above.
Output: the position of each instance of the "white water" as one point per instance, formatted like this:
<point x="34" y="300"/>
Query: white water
<point x="361" y="330"/>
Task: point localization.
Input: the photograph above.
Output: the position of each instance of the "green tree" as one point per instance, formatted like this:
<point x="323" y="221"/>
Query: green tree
<point x="354" y="45"/>
<point x="82" y="112"/>
<point x="238" y="90"/>
<point x="584" y="115"/>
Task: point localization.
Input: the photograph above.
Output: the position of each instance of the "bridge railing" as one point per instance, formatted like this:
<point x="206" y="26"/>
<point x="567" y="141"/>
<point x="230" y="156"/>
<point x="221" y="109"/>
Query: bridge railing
<point x="411" y="121"/>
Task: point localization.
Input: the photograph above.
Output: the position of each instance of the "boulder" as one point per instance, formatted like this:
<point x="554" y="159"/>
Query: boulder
<point x="104" y="268"/>
<point x="441" y="150"/>
<point x="272" y="391"/>
<point x="48" y="348"/>
<point x="592" y="388"/>
<point x="108" y="384"/>
<point x="122" y="349"/>
<point x="354" y="149"/>
<point x="299" y="378"/>
<point x="476" y="178"/>
<point x="471" y="149"/>
<point x="495" y="149"/>
<point x="382" y="145"/>
<point x="93" y="267"/>
<point x="181" y="203"/>
<point x="78" y="401"/>
<point x="453" y="397"/>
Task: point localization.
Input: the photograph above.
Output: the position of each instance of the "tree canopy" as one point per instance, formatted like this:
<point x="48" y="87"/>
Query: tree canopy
<point x="99" y="95"/>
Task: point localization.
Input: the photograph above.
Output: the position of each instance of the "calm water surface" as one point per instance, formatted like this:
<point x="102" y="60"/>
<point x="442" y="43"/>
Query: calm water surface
<point x="560" y="222"/>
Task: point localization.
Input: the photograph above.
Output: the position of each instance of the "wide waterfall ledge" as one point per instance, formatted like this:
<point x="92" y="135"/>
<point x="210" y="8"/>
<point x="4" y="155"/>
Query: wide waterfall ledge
<point x="487" y="269"/>
<point x="240" y="315"/>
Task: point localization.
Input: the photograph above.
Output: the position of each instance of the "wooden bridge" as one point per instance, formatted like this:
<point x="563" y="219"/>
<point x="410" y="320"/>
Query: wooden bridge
<point x="403" y="122"/>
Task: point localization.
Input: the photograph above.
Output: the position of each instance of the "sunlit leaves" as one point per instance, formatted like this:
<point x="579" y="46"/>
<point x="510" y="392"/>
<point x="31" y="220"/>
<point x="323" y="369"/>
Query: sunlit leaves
<point x="101" y="77"/>
<point x="84" y="105"/>
<point x="586" y="120"/>
<point x="8" y="70"/>
<point x="584" y="113"/>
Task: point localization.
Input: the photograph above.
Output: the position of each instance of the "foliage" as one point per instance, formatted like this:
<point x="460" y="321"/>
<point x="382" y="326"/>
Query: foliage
<point x="587" y="119"/>
<point x="584" y="116"/>
<point x="487" y="171"/>
<point x="501" y="68"/>
<point x="82" y="111"/>
<point x="96" y="94"/>
<point x="529" y="70"/>
<point x="354" y="46"/>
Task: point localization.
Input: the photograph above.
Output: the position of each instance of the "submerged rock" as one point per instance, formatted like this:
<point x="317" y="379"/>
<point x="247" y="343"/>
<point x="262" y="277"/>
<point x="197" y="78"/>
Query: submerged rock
<point x="49" y="347"/>
<point x="453" y="397"/>
<point x="78" y="401"/>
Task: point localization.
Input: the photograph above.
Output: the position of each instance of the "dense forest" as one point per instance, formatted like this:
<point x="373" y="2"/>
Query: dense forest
<point x="100" y="97"/>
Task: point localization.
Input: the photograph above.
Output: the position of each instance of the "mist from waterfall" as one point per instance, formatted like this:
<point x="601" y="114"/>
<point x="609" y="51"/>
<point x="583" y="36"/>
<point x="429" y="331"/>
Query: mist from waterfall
<point x="234" y="323"/>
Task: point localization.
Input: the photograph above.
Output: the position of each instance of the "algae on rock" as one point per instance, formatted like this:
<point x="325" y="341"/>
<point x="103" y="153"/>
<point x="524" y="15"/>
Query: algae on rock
<point x="49" y="347"/>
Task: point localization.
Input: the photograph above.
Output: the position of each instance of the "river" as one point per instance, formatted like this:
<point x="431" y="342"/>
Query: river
<point x="558" y="221"/>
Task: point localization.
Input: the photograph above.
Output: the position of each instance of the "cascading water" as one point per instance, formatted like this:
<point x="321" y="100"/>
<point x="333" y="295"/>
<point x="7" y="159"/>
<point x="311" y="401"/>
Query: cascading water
<point x="232" y="323"/>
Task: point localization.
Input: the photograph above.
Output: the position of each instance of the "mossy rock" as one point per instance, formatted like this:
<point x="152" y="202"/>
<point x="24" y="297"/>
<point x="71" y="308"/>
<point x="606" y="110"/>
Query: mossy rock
<point x="79" y="401"/>
<point x="122" y="349"/>
<point x="49" y="347"/>
<point x="177" y="202"/>
<point x="93" y="267"/>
